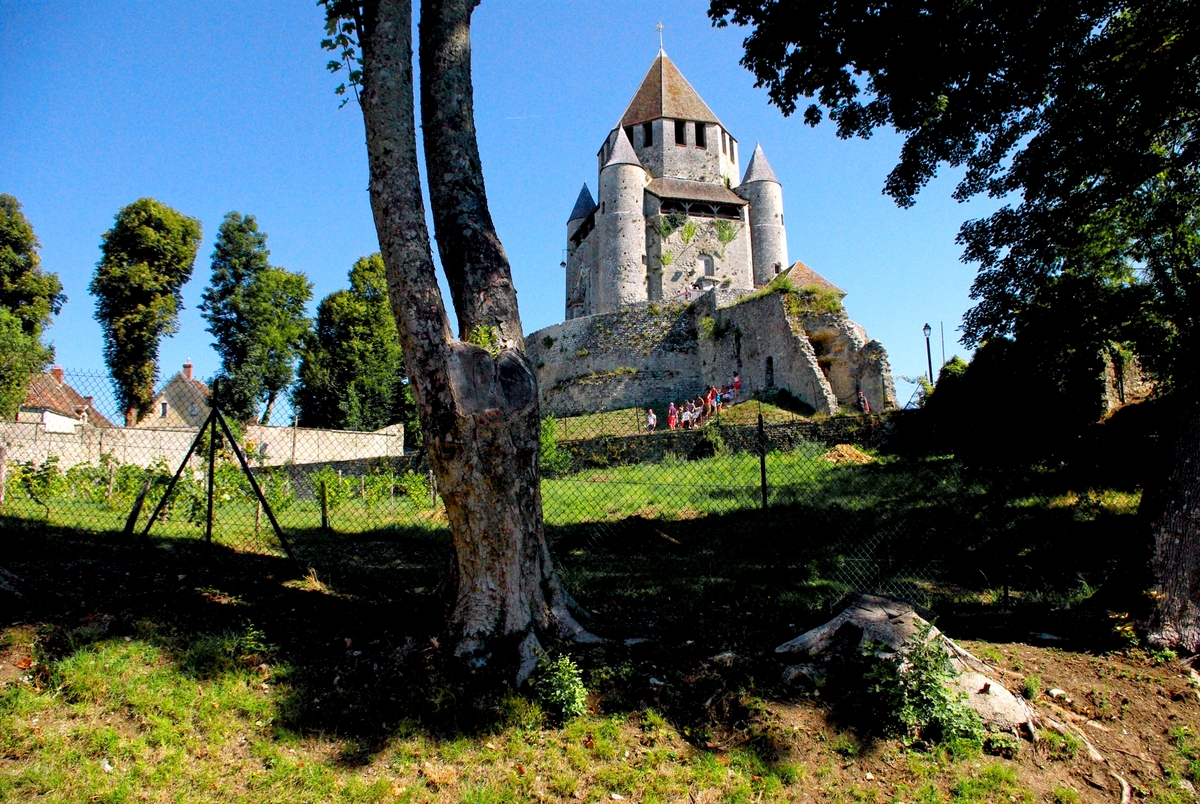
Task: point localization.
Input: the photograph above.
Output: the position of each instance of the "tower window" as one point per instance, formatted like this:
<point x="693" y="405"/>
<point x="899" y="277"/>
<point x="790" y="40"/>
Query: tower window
<point x="777" y="267"/>
<point x="724" y="143"/>
<point x="162" y="412"/>
<point x="733" y="150"/>
<point x="701" y="140"/>
<point x="681" y="132"/>
<point x="647" y="134"/>
<point x="629" y="133"/>
<point x="710" y="269"/>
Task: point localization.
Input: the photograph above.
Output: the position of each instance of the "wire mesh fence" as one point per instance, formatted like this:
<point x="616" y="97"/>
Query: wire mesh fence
<point x="746" y="502"/>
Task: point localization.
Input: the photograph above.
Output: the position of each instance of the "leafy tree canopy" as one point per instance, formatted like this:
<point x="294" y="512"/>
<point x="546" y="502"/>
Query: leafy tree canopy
<point x="352" y="373"/>
<point x="147" y="257"/>
<point x="21" y="356"/>
<point x="256" y="312"/>
<point x="1085" y="110"/>
<point x="28" y="292"/>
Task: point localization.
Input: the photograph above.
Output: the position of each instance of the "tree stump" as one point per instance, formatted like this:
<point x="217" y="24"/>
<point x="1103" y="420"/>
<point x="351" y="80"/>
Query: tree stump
<point x="887" y="626"/>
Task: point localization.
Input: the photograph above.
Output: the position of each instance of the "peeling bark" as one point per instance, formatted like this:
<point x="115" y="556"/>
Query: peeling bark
<point x="479" y="412"/>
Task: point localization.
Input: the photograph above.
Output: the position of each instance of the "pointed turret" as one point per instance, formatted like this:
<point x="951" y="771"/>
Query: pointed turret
<point x="583" y="205"/>
<point x="768" y="238"/>
<point x="759" y="168"/>
<point x="622" y="152"/>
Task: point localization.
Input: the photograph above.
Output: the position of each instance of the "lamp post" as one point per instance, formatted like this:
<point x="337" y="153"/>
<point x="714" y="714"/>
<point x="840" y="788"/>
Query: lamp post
<point x="928" y="354"/>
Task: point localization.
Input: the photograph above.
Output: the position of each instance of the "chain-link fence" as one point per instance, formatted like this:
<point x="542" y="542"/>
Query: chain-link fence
<point x="751" y="501"/>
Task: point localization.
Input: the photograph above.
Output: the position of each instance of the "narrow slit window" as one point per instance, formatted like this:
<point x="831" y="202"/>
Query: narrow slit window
<point x="680" y="132"/>
<point x="647" y="134"/>
<point x="163" y="411"/>
<point x="724" y="143"/>
<point x="701" y="139"/>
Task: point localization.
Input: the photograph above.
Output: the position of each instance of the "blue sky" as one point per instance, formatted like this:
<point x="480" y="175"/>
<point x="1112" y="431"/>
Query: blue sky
<point x="220" y="106"/>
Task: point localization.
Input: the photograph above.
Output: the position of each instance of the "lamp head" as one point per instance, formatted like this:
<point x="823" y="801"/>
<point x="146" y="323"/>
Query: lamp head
<point x="927" y="329"/>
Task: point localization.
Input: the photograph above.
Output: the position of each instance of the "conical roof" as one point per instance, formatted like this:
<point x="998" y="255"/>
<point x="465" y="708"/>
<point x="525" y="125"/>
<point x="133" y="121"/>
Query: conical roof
<point x="583" y="205"/>
<point x="666" y="93"/>
<point x="622" y="152"/>
<point x="759" y="168"/>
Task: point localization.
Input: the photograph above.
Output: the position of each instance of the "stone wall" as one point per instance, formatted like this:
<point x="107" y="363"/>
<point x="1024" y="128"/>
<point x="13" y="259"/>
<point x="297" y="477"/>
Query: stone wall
<point x="273" y="446"/>
<point x="653" y="353"/>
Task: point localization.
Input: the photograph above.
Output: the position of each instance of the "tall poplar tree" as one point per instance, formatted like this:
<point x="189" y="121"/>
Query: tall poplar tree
<point x="29" y="297"/>
<point x="256" y="312"/>
<point x="147" y="258"/>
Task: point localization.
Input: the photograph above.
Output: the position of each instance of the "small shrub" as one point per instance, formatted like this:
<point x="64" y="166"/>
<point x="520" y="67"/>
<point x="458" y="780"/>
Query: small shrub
<point x="552" y="459"/>
<point x="1002" y="745"/>
<point x="687" y="232"/>
<point x="559" y="687"/>
<point x="485" y="337"/>
<point x="547" y="341"/>
<point x="666" y="258"/>
<point x="1059" y="746"/>
<point x="1031" y="687"/>
<point x="1064" y="795"/>
<point x="906" y="694"/>
<point x="667" y="224"/>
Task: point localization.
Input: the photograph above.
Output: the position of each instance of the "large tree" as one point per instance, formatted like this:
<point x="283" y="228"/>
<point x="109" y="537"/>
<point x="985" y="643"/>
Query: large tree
<point x="478" y="406"/>
<point x="29" y="296"/>
<point x="256" y="312"/>
<point x="147" y="257"/>
<point x="351" y="372"/>
<point x="1081" y="115"/>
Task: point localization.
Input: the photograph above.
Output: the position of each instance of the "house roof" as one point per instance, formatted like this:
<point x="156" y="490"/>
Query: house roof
<point x="666" y="93"/>
<point x="47" y="392"/>
<point x="189" y="382"/>
<point x="802" y="276"/>
<point x="759" y="168"/>
<point x="583" y="205"/>
<point x="622" y="152"/>
<point x="694" y="191"/>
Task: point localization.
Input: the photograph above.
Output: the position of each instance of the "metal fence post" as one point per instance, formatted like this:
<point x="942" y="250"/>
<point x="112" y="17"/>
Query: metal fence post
<point x="324" y="507"/>
<point x="762" y="458"/>
<point x="212" y="472"/>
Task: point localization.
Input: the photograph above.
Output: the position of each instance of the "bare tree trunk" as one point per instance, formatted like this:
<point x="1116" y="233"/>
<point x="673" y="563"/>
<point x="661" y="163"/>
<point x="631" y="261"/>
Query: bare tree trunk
<point x="266" y="417"/>
<point x="1175" y="563"/>
<point x="479" y="412"/>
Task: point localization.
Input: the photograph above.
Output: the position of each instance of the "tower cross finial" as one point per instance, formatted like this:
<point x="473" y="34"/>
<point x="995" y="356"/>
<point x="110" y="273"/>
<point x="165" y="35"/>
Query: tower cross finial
<point x="659" y="28"/>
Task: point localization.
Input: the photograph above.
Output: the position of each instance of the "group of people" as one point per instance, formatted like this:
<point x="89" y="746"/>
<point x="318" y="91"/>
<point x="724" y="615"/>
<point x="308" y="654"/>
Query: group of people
<point x="693" y="413"/>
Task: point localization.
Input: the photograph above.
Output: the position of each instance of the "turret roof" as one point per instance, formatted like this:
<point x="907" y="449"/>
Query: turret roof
<point x="802" y="276"/>
<point x="622" y="152"/>
<point x="759" y="168"/>
<point x="666" y="93"/>
<point x="583" y="205"/>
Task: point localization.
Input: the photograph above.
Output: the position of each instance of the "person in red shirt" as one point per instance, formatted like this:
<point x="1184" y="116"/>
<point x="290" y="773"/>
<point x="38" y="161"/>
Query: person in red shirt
<point x="737" y="387"/>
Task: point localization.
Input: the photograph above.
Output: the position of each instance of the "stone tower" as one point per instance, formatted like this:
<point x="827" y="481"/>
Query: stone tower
<point x="578" y="226"/>
<point x="769" y="239"/>
<point x="621" y="227"/>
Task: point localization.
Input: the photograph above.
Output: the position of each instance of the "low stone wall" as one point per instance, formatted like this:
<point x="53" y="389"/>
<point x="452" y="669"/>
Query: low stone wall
<point x="649" y="354"/>
<point x="876" y="431"/>
<point x="272" y="446"/>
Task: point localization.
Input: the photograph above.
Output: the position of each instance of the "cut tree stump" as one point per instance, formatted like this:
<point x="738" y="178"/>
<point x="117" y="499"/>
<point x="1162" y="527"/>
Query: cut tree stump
<point x="886" y="626"/>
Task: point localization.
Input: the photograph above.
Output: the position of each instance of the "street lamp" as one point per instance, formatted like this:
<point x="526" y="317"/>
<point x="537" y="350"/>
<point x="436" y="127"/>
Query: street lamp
<point x="928" y="354"/>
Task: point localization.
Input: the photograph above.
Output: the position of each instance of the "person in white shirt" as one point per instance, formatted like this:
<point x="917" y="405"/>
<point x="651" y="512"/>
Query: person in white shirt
<point x="651" y="420"/>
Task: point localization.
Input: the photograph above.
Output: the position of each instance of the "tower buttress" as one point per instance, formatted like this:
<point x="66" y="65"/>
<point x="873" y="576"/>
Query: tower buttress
<point x="767" y="235"/>
<point x="580" y="218"/>
<point x="621" y="224"/>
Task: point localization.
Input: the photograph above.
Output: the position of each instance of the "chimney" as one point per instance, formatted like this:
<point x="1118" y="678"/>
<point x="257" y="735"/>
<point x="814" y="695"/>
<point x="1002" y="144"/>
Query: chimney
<point x="187" y="369"/>
<point x="57" y="373"/>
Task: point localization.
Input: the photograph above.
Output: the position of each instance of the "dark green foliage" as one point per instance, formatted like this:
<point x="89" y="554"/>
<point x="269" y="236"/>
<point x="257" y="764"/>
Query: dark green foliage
<point x="256" y="312"/>
<point x="1082" y="112"/>
<point x="26" y="291"/>
<point x="28" y="297"/>
<point x="351" y="371"/>
<point x="148" y="256"/>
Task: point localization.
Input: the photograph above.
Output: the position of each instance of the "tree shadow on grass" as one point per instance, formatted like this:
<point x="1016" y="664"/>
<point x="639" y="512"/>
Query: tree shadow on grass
<point x="692" y="607"/>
